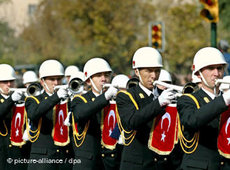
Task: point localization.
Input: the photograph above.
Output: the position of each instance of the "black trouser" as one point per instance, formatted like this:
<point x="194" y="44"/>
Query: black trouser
<point x="17" y="157"/>
<point x="50" y="159"/>
<point x="112" y="158"/>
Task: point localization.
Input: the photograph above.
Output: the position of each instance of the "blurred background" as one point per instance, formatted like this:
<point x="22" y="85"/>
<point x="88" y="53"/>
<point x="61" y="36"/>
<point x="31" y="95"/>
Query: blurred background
<point x="74" y="31"/>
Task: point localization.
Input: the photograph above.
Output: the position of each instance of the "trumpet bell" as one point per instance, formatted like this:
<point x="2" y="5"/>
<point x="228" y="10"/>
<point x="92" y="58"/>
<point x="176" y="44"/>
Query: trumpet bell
<point x="75" y="85"/>
<point x="34" y="89"/>
<point x="132" y="82"/>
<point x="190" y="88"/>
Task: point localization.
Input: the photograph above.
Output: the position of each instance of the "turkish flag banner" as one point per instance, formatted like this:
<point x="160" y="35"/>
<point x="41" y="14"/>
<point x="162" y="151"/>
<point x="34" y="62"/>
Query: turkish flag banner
<point x="223" y="140"/>
<point x="17" y="125"/>
<point x="108" y="123"/>
<point x="60" y="131"/>
<point x="163" y="135"/>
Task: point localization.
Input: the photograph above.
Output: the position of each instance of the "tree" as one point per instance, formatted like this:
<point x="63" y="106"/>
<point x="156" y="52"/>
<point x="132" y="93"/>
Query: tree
<point x="8" y="43"/>
<point x="75" y="31"/>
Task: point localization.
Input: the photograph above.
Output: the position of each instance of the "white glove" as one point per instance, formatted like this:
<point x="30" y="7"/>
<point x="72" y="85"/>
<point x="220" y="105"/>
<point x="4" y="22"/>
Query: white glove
<point x="111" y="92"/>
<point x="62" y="93"/>
<point x="226" y="97"/>
<point x="67" y="120"/>
<point x="166" y="97"/>
<point x="17" y="95"/>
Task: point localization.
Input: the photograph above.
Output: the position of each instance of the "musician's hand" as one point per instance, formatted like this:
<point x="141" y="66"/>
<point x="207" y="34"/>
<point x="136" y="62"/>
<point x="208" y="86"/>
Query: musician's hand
<point x="111" y="92"/>
<point x="62" y="93"/>
<point x="17" y="95"/>
<point x="166" y="97"/>
<point x="226" y="97"/>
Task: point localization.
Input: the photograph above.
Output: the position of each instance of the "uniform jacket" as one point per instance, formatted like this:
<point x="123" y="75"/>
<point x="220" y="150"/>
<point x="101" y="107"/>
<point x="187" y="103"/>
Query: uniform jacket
<point x="206" y="121"/>
<point x="137" y="155"/>
<point x="5" y="115"/>
<point x="84" y="112"/>
<point x="42" y="110"/>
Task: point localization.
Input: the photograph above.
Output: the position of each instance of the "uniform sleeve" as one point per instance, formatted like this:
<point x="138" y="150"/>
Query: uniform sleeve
<point x="193" y="118"/>
<point x="132" y="118"/>
<point x="36" y="110"/>
<point x="6" y="106"/>
<point x="84" y="110"/>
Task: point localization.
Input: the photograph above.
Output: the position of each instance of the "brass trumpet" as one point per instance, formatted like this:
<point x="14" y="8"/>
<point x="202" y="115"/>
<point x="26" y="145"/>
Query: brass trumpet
<point x="23" y="90"/>
<point x="132" y="82"/>
<point x="34" y="89"/>
<point x="219" y="81"/>
<point x="174" y="87"/>
<point x="107" y="85"/>
<point x="188" y="88"/>
<point x="73" y="86"/>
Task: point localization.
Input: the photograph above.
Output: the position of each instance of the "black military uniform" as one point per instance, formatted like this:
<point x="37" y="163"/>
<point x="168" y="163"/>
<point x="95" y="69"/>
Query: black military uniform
<point x="90" y="152"/>
<point x="206" y="121"/>
<point x="44" y="147"/>
<point x="10" y="155"/>
<point x="137" y="155"/>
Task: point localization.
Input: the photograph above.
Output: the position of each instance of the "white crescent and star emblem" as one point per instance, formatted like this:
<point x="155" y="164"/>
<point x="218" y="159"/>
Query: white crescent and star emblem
<point x="18" y="117"/>
<point x="165" y="116"/>
<point x="61" y="116"/>
<point x="111" y="114"/>
<point x="61" y="119"/>
<point x="226" y="129"/>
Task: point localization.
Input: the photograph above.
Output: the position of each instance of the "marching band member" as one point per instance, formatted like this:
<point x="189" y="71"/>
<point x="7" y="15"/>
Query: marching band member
<point x="50" y="137"/>
<point x="164" y="77"/>
<point x="69" y="71"/>
<point x="12" y="146"/>
<point x="137" y="108"/>
<point x="112" y="143"/>
<point x="29" y="77"/>
<point x="196" y="80"/>
<point x="87" y="111"/>
<point x="200" y="113"/>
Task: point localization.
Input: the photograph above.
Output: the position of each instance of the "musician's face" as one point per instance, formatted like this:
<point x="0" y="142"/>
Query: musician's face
<point x="51" y="82"/>
<point x="148" y="76"/>
<point x="99" y="79"/>
<point x="5" y="86"/>
<point x="210" y="74"/>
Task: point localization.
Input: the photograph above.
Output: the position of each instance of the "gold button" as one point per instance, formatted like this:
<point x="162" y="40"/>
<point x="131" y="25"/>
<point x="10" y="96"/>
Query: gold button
<point x="165" y="159"/>
<point x="67" y="151"/>
<point x="57" y="150"/>
<point x="103" y="155"/>
<point x="112" y="155"/>
<point x="102" y="146"/>
<point x="10" y="146"/>
<point x="222" y="163"/>
<point x="155" y="159"/>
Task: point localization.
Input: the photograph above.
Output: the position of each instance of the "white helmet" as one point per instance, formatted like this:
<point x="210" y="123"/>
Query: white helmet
<point x="207" y="56"/>
<point x="94" y="66"/>
<point x="147" y="57"/>
<point x="195" y="79"/>
<point x="51" y="68"/>
<point x="7" y="72"/>
<point x="165" y="76"/>
<point x="29" y="77"/>
<point x="120" y="81"/>
<point x="71" y="70"/>
<point x="225" y="86"/>
<point x="78" y="74"/>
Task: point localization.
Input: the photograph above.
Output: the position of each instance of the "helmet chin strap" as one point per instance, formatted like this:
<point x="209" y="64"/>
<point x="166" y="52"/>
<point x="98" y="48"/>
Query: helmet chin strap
<point x="139" y="76"/>
<point x="205" y="82"/>
<point x="47" y="86"/>
<point x="1" y="91"/>
<point x="94" y="86"/>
